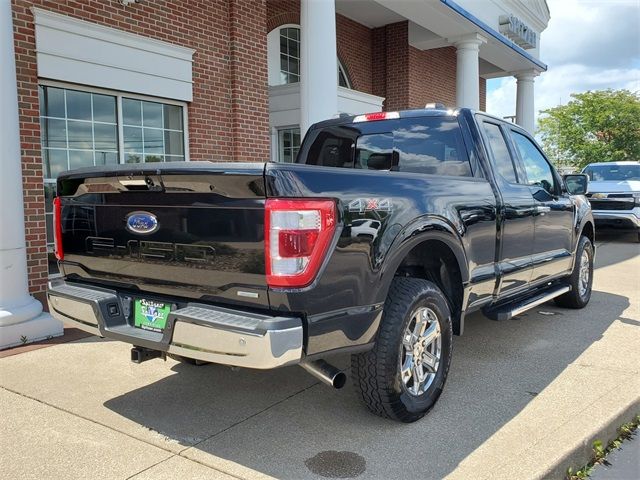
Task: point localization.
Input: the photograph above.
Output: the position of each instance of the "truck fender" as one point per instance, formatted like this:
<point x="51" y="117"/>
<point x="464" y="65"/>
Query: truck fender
<point x="583" y="222"/>
<point x="420" y="230"/>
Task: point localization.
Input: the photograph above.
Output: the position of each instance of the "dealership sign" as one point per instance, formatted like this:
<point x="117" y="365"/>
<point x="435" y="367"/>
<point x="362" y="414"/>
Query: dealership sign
<point x="518" y="31"/>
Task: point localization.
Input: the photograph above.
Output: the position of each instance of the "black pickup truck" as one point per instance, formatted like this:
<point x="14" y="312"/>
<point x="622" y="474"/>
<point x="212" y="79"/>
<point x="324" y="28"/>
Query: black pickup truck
<point x="385" y="233"/>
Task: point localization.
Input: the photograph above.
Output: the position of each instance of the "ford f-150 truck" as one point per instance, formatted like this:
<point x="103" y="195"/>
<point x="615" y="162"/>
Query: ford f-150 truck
<point x="387" y="231"/>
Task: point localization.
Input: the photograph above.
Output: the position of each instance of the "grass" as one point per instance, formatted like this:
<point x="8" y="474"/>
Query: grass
<point x="600" y="452"/>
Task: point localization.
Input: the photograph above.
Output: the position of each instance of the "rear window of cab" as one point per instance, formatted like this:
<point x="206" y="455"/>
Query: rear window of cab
<point x="431" y="145"/>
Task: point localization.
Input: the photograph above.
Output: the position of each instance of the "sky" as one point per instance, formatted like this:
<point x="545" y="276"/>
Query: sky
<point x="588" y="45"/>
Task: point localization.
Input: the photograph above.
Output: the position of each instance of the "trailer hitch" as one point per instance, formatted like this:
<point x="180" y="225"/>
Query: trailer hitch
<point x="141" y="354"/>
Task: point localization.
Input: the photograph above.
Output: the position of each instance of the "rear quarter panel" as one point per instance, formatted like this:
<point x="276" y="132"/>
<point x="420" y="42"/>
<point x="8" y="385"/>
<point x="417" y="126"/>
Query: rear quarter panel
<point x="382" y="216"/>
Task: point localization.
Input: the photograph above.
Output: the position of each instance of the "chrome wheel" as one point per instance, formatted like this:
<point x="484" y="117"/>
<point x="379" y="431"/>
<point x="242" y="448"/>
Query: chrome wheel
<point x="421" y="350"/>
<point x="585" y="274"/>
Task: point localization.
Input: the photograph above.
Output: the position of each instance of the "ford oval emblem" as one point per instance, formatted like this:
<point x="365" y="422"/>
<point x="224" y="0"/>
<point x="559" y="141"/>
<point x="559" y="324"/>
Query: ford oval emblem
<point x="142" y="223"/>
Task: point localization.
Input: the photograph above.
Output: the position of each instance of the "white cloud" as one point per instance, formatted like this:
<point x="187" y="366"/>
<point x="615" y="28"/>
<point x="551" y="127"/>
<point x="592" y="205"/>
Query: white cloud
<point x="600" y="33"/>
<point x="501" y="99"/>
<point x="588" y="45"/>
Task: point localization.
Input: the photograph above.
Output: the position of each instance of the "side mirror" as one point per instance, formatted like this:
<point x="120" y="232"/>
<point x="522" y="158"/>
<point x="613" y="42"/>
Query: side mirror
<point x="576" y="183"/>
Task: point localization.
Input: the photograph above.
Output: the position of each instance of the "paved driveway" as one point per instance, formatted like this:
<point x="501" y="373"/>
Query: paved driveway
<point x="524" y="399"/>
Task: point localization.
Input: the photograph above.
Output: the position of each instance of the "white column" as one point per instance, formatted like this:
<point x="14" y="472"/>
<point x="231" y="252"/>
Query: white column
<point x="319" y="64"/>
<point x="468" y="71"/>
<point x="21" y="316"/>
<point x="525" y="104"/>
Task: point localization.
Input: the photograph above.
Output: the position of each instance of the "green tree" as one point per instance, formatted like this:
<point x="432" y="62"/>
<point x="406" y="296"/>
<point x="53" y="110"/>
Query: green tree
<point x="595" y="126"/>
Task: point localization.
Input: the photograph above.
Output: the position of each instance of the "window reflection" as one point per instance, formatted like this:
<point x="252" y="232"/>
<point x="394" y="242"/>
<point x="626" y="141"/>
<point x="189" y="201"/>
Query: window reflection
<point x="427" y="145"/>
<point x="501" y="156"/>
<point x="538" y="170"/>
<point x="374" y="152"/>
<point x="433" y="146"/>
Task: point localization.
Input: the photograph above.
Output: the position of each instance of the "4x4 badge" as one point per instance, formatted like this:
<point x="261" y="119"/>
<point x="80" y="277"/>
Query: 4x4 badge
<point x="361" y="205"/>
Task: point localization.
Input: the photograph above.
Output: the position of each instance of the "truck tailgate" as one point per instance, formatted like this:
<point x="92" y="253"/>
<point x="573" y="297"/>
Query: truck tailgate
<point x="192" y="230"/>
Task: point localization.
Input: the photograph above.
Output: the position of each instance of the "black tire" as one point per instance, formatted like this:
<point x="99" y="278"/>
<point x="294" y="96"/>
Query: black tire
<point x="376" y="373"/>
<point x="575" y="298"/>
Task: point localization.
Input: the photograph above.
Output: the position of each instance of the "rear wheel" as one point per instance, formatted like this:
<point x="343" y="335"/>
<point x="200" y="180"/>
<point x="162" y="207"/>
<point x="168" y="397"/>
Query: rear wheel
<point x="403" y="375"/>
<point x="581" y="279"/>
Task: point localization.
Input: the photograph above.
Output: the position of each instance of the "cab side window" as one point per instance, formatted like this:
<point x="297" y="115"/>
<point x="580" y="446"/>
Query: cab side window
<point x="538" y="170"/>
<point x="501" y="156"/>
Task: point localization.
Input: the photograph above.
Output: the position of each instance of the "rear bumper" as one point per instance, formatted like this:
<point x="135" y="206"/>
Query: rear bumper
<point x="202" y="332"/>
<point x="627" y="218"/>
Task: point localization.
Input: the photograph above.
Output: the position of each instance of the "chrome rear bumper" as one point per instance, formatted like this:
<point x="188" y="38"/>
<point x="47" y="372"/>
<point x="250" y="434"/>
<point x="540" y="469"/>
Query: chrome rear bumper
<point x="203" y="332"/>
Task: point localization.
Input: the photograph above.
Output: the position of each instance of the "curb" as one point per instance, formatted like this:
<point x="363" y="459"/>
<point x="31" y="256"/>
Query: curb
<point x="582" y="454"/>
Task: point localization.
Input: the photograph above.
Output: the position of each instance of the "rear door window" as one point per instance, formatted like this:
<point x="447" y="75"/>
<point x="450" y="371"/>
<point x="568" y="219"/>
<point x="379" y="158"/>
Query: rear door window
<point x="538" y="169"/>
<point x="501" y="156"/>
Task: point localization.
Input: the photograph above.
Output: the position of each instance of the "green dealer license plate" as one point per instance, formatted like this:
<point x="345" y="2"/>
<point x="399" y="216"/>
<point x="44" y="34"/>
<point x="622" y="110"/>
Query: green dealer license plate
<point x="150" y="315"/>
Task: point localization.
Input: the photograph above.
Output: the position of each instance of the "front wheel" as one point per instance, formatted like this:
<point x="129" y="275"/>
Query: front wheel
<point x="403" y="375"/>
<point x="581" y="279"/>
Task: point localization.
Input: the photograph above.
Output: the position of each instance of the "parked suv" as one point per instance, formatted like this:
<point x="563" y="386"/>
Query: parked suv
<point x="614" y="194"/>
<point x="389" y="229"/>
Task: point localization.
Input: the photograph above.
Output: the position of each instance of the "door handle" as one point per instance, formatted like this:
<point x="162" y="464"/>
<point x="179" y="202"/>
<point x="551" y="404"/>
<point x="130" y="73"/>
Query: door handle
<point x="542" y="209"/>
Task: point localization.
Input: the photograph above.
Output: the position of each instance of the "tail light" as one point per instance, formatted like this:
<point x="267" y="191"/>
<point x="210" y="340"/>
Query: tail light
<point x="297" y="235"/>
<point x="57" y="228"/>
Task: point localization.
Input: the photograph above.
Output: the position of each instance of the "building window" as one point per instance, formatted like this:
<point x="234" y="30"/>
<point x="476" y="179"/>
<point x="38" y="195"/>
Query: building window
<point x="343" y="78"/>
<point x="151" y="131"/>
<point x="91" y="128"/>
<point x="283" y="45"/>
<point x="288" y="144"/>
<point x="79" y="129"/>
<point x="289" y="55"/>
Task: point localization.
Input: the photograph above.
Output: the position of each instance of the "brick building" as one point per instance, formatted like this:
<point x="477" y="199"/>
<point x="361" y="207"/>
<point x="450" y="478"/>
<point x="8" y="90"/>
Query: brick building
<point x="122" y="81"/>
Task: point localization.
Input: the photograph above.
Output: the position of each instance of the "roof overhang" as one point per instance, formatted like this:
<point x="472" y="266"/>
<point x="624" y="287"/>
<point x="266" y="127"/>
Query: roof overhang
<point x="438" y="23"/>
<point x="496" y="35"/>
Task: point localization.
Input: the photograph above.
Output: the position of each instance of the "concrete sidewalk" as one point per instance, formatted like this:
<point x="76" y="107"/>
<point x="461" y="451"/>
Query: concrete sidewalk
<point x="525" y="399"/>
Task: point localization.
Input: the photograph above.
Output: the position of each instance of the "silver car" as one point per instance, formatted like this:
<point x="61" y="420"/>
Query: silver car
<point x="614" y="194"/>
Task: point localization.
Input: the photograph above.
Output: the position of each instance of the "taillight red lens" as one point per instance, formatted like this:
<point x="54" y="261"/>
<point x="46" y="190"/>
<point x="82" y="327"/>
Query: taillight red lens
<point x="57" y="227"/>
<point x="297" y="235"/>
<point x="297" y="243"/>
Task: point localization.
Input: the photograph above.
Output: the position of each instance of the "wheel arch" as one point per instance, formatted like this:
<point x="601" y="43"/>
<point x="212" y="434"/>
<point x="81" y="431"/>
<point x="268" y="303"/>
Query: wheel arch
<point x="434" y="251"/>
<point x="589" y="231"/>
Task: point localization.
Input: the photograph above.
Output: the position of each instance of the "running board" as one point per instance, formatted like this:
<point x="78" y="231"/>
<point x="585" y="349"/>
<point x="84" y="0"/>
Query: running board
<point x="510" y="310"/>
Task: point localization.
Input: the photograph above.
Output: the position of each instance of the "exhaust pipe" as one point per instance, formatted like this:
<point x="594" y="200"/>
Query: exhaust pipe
<point x="326" y="373"/>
